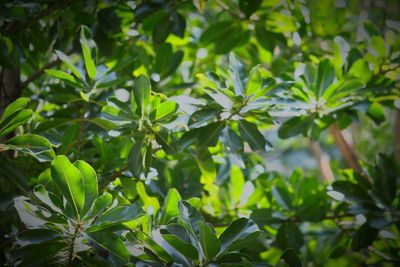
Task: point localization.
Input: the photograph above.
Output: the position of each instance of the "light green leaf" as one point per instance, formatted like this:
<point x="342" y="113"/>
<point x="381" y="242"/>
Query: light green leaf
<point x="69" y="182"/>
<point x="64" y="58"/>
<point x="170" y="207"/>
<point x="14" y="107"/>
<point x="9" y="125"/>
<point x="141" y="91"/>
<point x="48" y="198"/>
<point x="34" y="145"/>
<point x="89" y="183"/>
<point x="164" y="110"/>
<point x="86" y="49"/>
<point x="207" y="166"/>
<point x="66" y="77"/>
<point x="255" y="81"/>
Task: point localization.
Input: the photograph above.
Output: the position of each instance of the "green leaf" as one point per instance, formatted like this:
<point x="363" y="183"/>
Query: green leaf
<point x="61" y="75"/>
<point x="215" y="31"/>
<point x="364" y="236"/>
<point x="376" y="112"/>
<point x="291" y="258"/>
<point x="249" y="6"/>
<point x="238" y="235"/>
<point x="141" y="90"/>
<point x="69" y="182"/>
<point x="255" y="81"/>
<point x="100" y="204"/>
<point x="186" y="249"/>
<point x="208" y="240"/>
<point x="252" y="135"/>
<point x="89" y="183"/>
<point x="190" y="217"/>
<point x="34" y="145"/>
<point x="162" y="29"/>
<point x="165" y="110"/>
<point x="163" y="57"/>
<point x="37" y="236"/>
<point x="64" y="58"/>
<point x="289" y="236"/>
<point x="234" y="142"/>
<point x="208" y="135"/>
<point x="111" y="243"/>
<point x="282" y="195"/>
<point x="360" y="70"/>
<point x="207" y="166"/>
<point x="18" y="105"/>
<point x="135" y="160"/>
<point x="87" y="54"/>
<point x="116" y="216"/>
<point x="10" y="124"/>
<point x="326" y="75"/>
<point x="48" y="198"/>
<point x="170" y="207"/>
<point x="295" y="126"/>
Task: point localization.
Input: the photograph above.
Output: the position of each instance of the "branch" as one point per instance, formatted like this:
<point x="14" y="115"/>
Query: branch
<point x="396" y="132"/>
<point x="13" y="27"/>
<point x="322" y="160"/>
<point x="39" y="72"/>
<point x="345" y="149"/>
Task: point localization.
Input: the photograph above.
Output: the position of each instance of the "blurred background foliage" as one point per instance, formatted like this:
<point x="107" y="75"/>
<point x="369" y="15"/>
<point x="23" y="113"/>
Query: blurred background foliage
<point x="214" y="133"/>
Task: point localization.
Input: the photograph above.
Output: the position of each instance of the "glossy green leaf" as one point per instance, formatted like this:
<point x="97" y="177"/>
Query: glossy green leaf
<point x="89" y="183"/>
<point x="254" y="82"/>
<point x="48" y="198"/>
<point x="165" y="110"/>
<point x="87" y="53"/>
<point x="294" y="126"/>
<point x="117" y="215"/>
<point x="208" y="240"/>
<point x="251" y="135"/>
<point x="61" y="75"/>
<point x="33" y="145"/>
<point x="170" y="207"/>
<point x="190" y="217"/>
<point x="10" y="124"/>
<point x="209" y="135"/>
<point x="186" y="249"/>
<point x="325" y="77"/>
<point x="238" y="235"/>
<point x="111" y="243"/>
<point x="69" y="182"/>
<point x="141" y="90"/>
<point x="64" y="58"/>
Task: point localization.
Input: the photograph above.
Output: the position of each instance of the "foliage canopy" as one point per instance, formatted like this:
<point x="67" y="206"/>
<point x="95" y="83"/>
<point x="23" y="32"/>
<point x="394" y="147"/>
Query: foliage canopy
<point x="200" y="133"/>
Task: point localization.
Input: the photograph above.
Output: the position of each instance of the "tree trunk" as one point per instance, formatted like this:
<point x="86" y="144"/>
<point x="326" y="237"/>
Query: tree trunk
<point x="10" y="87"/>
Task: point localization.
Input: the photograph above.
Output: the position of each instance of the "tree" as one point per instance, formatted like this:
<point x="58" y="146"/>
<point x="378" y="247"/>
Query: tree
<point x="194" y="133"/>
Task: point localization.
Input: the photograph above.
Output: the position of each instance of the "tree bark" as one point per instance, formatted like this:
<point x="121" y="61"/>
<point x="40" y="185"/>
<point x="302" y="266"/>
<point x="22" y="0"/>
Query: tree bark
<point x="323" y="161"/>
<point x="10" y="87"/>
